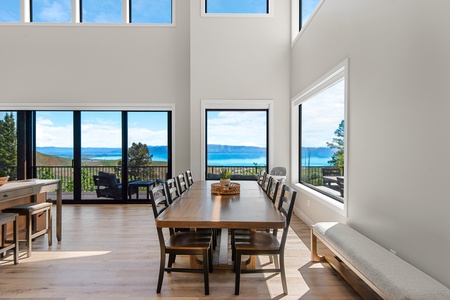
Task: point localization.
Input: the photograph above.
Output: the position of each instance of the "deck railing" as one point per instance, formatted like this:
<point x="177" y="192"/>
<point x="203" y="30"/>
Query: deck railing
<point x="248" y="171"/>
<point x="65" y="173"/>
<point x="313" y="175"/>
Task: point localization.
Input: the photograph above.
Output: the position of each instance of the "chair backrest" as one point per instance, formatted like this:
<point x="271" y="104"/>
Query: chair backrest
<point x="181" y="182"/>
<point x="189" y="178"/>
<point x="272" y="189"/>
<point x="286" y="207"/>
<point x="158" y="200"/>
<point x="278" y="171"/>
<point x="171" y="190"/>
<point x="107" y="179"/>
<point x="265" y="183"/>
<point x="262" y="175"/>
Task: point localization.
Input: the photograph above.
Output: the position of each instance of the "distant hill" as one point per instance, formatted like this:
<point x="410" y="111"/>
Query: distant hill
<point x="51" y="160"/>
<point x="213" y="148"/>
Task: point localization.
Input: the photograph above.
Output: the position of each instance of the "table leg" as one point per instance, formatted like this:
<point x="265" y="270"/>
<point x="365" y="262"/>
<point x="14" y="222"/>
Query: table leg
<point x="59" y="212"/>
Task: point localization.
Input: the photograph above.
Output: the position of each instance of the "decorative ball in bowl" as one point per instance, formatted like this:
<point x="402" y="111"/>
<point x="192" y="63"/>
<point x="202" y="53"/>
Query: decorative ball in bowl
<point x="3" y="180"/>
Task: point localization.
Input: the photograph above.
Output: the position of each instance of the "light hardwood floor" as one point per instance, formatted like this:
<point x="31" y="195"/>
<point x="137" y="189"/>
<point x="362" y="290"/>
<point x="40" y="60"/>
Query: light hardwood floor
<point x="112" y="252"/>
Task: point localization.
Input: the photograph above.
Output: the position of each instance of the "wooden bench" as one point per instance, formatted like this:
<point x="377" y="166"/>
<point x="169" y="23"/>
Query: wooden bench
<point x="387" y="274"/>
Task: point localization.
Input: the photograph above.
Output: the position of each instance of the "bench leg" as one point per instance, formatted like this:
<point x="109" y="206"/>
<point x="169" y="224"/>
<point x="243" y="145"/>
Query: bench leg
<point x="314" y="255"/>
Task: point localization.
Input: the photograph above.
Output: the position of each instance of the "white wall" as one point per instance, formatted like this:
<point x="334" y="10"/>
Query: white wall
<point x="399" y="117"/>
<point x="108" y="65"/>
<point x="241" y="58"/>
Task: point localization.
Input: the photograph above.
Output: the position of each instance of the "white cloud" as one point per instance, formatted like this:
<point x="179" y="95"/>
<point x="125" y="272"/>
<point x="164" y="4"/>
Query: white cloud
<point x="321" y="116"/>
<point x="95" y="133"/>
<point x="238" y="128"/>
<point x="49" y="135"/>
<point x="55" y="11"/>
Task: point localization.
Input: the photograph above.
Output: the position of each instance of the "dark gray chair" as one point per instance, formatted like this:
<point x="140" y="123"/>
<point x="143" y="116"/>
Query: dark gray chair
<point x="172" y="192"/>
<point x="180" y="243"/>
<point x="264" y="243"/>
<point x="189" y="178"/>
<point x="181" y="183"/>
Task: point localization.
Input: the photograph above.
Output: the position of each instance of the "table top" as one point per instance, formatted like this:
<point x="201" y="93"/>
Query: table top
<point x="198" y="208"/>
<point x="20" y="184"/>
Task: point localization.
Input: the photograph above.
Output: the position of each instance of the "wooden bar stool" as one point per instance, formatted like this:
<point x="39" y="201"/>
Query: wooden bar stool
<point x="29" y="210"/>
<point x="6" y="218"/>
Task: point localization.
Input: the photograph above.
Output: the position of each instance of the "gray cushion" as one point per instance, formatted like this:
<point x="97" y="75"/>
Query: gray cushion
<point x="396" y="278"/>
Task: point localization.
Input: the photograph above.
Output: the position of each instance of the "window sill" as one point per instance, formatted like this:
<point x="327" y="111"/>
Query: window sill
<point x="329" y="202"/>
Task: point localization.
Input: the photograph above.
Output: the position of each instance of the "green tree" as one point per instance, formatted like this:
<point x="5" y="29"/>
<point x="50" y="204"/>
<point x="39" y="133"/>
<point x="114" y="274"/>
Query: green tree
<point x="8" y="143"/>
<point x="338" y="143"/>
<point x="139" y="160"/>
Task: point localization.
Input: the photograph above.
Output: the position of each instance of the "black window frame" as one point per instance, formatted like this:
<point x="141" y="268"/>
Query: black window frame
<point x="266" y="110"/>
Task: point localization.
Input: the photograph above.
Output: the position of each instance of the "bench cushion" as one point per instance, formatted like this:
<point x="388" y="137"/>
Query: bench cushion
<point x="396" y="278"/>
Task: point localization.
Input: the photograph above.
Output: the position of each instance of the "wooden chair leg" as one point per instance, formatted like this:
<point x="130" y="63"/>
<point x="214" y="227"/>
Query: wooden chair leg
<point x="210" y="258"/>
<point x="16" y="241"/>
<point x="237" y="266"/>
<point x="3" y="238"/>
<point x="161" y="271"/>
<point x="283" y="274"/>
<point x="29" y="233"/>
<point x="276" y="261"/>
<point x="206" y="270"/>
<point x="49" y="226"/>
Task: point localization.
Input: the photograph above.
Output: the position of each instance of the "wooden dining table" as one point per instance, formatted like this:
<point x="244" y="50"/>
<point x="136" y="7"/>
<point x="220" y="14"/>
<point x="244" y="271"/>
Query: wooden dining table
<point x="198" y="207"/>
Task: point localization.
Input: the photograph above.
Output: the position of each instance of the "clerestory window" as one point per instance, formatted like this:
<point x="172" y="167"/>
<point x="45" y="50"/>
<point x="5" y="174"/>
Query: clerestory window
<point x="10" y="11"/>
<point x="236" y="7"/>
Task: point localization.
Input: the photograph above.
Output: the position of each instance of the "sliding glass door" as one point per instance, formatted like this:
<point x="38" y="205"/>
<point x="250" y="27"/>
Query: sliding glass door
<point x="97" y="154"/>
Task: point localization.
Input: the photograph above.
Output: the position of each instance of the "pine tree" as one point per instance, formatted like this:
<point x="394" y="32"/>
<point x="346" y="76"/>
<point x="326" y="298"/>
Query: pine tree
<point x="8" y="144"/>
<point x="139" y="156"/>
<point x="338" y="143"/>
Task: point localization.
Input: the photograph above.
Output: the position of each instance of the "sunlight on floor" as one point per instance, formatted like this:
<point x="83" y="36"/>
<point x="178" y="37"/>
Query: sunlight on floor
<point x="54" y="255"/>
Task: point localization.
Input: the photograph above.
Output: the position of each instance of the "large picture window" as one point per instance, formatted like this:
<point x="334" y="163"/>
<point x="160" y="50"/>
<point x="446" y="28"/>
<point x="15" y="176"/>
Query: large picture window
<point x="321" y="134"/>
<point x="236" y="141"/>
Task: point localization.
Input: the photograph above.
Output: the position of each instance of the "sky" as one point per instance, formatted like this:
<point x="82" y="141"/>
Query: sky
<point x="321" y="116"/>
<point x="100" y="129"/>
<point x="142" y="11"/>
<point x="237" y="128"/>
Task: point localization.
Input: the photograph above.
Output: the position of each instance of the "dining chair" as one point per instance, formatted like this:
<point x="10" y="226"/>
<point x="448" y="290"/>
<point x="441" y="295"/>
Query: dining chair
<point x="265" y="183"/>
<point x="189" y="178"/>
<point x="263" y="243"/>
<point x="240" y="234"/>
<point x="171" y="190"/>
<point x="181" y="182"/>
<point x="272" y="189"/>
<point x="180" y="243"/>
<point x="262" y="177"/>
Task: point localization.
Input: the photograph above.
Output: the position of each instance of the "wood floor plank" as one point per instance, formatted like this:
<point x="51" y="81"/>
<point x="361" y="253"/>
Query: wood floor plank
<point x="112" y="251"/>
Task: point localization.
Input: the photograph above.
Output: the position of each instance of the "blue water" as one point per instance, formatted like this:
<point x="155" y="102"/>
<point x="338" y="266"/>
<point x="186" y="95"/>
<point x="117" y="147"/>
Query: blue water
<point x="236" y="159"/>
<point x="160" y="154"/>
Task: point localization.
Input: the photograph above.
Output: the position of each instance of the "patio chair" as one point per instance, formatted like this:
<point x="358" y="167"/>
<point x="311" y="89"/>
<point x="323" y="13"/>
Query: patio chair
<point x="108" y="186"/>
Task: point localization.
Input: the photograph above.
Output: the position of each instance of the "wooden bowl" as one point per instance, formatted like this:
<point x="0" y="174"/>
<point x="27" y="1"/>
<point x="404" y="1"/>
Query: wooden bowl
<point x="3" y="180"/>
